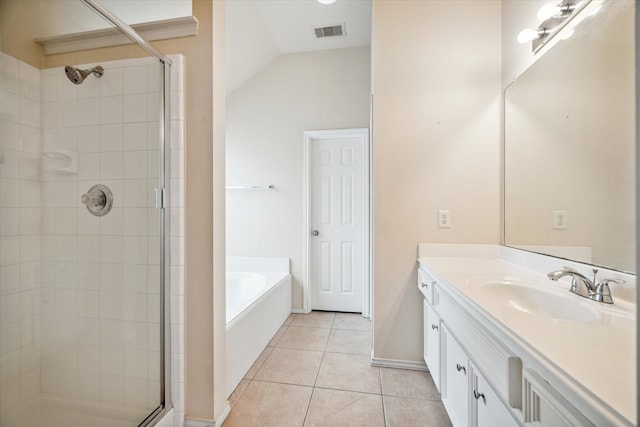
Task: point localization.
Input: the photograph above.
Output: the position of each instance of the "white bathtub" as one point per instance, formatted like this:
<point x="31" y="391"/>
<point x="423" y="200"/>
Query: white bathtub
<point x="258" y="303"/>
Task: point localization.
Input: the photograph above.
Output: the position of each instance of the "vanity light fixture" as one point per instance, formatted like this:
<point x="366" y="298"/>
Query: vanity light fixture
<point x="553" y="17"/>
<point x="568" y="34"/>
<point x="595" y="6"/>
<point x="551" y="10"/>
<point x="527" y="35"/>
<point x="326" y="1"/>
<point x="590" y="9"/>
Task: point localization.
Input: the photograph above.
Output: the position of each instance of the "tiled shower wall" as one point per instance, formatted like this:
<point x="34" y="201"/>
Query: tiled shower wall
<point x="100" y="300"/>
<point x="21" y="270"/>
<point x="79" y="295"/>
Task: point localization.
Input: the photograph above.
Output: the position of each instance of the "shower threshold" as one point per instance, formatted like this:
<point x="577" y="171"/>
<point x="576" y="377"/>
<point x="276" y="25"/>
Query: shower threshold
<point x="53" y="412"/>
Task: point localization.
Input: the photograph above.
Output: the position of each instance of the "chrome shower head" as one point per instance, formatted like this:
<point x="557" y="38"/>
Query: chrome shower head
<point x="77" y="76"/>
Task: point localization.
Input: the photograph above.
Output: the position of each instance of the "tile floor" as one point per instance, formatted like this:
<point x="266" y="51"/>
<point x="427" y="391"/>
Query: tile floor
<point x="316" y="372"/>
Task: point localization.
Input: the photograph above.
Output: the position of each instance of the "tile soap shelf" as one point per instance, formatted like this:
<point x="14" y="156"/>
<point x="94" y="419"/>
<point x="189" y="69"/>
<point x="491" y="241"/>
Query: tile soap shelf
<point x="61" y="162"/>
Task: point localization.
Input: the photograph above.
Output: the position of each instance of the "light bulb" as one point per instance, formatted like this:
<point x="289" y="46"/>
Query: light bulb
<point x="326" y="1"/>
<point x="527" y="35"/>
<point x="547" y="11"/>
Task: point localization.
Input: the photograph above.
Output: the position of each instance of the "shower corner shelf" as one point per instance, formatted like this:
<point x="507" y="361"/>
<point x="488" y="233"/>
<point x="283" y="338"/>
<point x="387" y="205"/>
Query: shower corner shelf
<point x="60" y="162"/>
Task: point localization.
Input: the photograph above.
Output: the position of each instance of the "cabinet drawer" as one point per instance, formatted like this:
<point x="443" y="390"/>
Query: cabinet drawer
<point x="497" y="362"/>
<point x="426" y="284"/>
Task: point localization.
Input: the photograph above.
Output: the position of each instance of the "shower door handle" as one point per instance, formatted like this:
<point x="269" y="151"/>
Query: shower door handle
<point x="315" y="233"/>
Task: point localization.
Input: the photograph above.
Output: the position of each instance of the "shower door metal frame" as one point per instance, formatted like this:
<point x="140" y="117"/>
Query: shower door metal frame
<point x="164" y="132"/>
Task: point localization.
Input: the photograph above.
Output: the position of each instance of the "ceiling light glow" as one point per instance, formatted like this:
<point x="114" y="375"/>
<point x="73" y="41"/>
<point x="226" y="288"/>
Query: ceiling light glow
<point x="326" y="1"/>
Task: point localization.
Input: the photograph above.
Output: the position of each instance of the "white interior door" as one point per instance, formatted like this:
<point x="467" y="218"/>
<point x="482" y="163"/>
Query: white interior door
<point x="337" y="201"/>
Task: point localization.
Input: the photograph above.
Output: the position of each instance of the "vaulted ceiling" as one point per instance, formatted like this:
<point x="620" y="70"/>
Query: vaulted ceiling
<point x="258" y="31"/>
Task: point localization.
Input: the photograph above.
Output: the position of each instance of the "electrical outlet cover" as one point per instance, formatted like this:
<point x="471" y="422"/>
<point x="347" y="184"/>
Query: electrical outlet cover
<point x="560" y="220"/>
<point x="444" y="218"/>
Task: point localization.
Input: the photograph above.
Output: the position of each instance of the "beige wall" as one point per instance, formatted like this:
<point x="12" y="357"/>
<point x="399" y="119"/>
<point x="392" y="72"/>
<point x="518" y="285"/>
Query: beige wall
<point x="266" y="118"/>
<point x="219" y="251"/>
<point x="17" y="27"/>
<point x="205" y="346"/>
<point x="436" y="145"/>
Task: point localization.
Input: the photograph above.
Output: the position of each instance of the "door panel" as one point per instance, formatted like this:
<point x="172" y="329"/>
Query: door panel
<point x="337" y="207"/>
<point x="455" y="383"/>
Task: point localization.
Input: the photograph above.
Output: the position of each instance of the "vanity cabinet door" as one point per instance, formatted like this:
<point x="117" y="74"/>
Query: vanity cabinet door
<point x="546" y="407"/>
<point x="455" y="379"/>
<point x="432" y="342"/>
<point x="486" y="407"/>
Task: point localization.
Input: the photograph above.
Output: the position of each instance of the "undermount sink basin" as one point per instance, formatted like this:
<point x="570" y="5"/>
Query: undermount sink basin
<point x="538" y="301"/>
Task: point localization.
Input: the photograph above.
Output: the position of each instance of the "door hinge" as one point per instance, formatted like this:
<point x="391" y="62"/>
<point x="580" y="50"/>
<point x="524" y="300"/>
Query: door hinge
<point x="160" y="198"/>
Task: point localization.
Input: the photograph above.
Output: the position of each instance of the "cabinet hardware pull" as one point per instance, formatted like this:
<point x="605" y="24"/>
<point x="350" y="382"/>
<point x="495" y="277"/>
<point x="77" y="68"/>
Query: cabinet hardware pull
<point x="424" y="285"/>
<point x="479" y="395"/>
<point x="459" y="367"/>
<point x="434" y="327"/>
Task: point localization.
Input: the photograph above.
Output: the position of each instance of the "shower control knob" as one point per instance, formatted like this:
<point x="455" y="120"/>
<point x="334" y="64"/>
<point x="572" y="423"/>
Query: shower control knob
<point x="95" y="199"/>
<point x="315" y="233"/>
<point x="98" y="200"/>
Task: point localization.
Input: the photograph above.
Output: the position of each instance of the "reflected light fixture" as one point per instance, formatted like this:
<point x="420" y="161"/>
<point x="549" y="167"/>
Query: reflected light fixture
<point x="551" y="10"/>
<point x="553" y="17"/>
<point x="527" y="35"/>
<point x="596" y="5"/>
<point x="326" y="1"/>
<point x="568" y="34"/>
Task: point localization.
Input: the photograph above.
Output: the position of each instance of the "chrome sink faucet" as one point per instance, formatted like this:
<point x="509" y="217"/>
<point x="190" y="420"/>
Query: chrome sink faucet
<point x="585" y="287"/>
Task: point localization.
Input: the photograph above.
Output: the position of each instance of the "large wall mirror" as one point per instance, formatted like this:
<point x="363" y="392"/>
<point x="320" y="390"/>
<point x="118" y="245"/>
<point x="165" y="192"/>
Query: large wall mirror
<point x="570" y="146"/>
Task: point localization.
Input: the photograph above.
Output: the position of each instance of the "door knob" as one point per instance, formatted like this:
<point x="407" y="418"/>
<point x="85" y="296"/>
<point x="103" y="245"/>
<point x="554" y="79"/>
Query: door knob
<point x="315" y="232"/>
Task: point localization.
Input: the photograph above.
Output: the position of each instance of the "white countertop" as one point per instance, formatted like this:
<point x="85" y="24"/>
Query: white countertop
<point x="598" y="355"/>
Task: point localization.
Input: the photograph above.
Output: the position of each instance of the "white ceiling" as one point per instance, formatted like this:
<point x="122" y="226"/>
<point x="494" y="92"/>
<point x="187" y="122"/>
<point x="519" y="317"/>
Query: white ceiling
<point x="138" y="11"/>
<point x="260" y="30"/>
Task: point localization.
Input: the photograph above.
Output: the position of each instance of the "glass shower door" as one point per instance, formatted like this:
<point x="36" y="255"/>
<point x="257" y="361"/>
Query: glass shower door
<point x="80" y="232"/>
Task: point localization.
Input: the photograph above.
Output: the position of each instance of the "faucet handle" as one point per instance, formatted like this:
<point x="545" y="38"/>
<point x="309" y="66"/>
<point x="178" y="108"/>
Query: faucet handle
<point x="603" y="292"/>
<point x="616" y="281"/>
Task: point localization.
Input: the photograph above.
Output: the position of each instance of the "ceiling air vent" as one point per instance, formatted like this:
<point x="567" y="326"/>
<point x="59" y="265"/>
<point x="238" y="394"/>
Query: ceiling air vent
<point x="332" y="31"/>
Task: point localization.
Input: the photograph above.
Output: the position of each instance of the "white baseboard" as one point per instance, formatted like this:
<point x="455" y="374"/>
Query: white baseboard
<point x="224" y="415"/>
<point x="299" y="311"/>
<point x="398" y="364"/>
<point x="198" y="422"/>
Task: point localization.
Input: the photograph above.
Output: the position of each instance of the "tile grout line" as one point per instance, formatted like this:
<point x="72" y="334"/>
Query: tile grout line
<point x="313" y="389"/>
<point x="314" y="386"/>
<point x="384" y="409"/>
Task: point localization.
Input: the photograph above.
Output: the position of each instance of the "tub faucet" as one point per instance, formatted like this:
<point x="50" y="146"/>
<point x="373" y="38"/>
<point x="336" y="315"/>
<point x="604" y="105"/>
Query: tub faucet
<point x="585" y="287"/>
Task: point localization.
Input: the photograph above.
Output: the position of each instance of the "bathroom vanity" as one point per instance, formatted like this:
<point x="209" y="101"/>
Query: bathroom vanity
<point x="506" y="346"/>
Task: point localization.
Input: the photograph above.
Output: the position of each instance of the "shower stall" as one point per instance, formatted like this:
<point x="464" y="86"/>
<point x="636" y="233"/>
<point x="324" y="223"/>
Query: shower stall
<point x="84" y="322"/>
